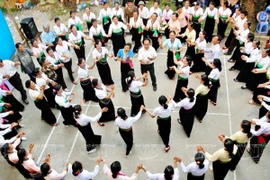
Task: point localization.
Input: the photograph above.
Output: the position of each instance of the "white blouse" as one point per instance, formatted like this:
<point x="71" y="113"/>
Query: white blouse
<point x="89" y="18"/>
<point x="158" y="11"/>
<point x="214" y="74"/>
<point x="54" y="61"/>
<point x="77" y="38"/>
<point x="209" y="12"/>
<point x="224" y="13"/>
<point x="194" y="169"/>
<point x="135" y="86"/>
<point x="213" y="52"/>
<point x="75" y="21"/>
<point x="96" y="54"/>
<point x="186" y="11"/>
<point x="163" y="113"/>
<point x="185" y="70"/>
<point x="200" y="44"/>
<point x="101" y="93"/>
<point x="117" y="13"/>
<point x="265" y="126"/>
<point x="136" y="24"/>
<point x="151" y="26"/>
<point x="60" y="29"/>
<point x="83" y="72"/>
<point x="248" y="47"/>
<point x="62" y="100"/>
<point x="198" y="12"/>
<point x="121" y="176"/>
<point x="42" y="81"/>
<point x="262" y="62"/>
<point x="144" y="13"/>
<point x="104" y="13"/>
<point x="127" y="123"/>
<point x="34" y="93"/>
<point x="253" y="56"/>
<point x="96" y="31"/>
<point x="117" y="26"/>
<point x="39" y="49"/>
<point x="185" y="103"/>
<point x="84" y="175"/>
<point x="240" y="22"/>
<point x="63" y="50"/>
<point x="167" y="15"/>
<point x="160" y="176"/>
<point x="83" y="119"/>
<point x="54" y="175"/>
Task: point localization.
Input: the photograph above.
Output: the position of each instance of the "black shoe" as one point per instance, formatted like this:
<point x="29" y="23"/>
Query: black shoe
<point x="231" y="69"/>
<point x="26" y="101"/>
<point x="231" y="60"/>
<point x="243" y="87"/>
<point x="154" y="88"/>
<point x="236" y="80"/>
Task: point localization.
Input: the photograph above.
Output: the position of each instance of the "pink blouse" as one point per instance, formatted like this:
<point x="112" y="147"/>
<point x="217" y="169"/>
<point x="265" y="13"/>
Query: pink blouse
<point x="174" y="26"/>
<point x="182" y="19"/>
<point x="30" y="165"/>
<point x="107" y="171"/>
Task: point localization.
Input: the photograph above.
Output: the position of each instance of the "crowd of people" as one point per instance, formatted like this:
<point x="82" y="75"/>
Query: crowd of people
<point x="47" y="88"/>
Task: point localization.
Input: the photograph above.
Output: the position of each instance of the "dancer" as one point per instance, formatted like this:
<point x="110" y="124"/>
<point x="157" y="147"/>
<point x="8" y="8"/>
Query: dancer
<point x="125" y="56"/>
<point x="85" y="81"/>
<point x="173" y="44"/>
<point x="190" y="35"/>
<point x="167" y="15"/>
<point x="104" y="95"/>
<point x="156" y="10"/>
<point x="240" y="139"/>
<point x="201" y="94"/>
<point x="136" y="96"/>
<point x="152" y="28"/>
<point x="75" y="20"/>
<point x="183" y="20"/>
<point x="211" y="15"/>
<point x="224" y="14"/>
<point x="60" y="29"/>
<point x="87" y="17"/>
<point x="183" y="74"/>
<point x="197" y="169"/>
<point x="118" y="12"/>
<point x="186" y="112"/>
<point x="100" y="55"/>
<point x="38" y="51"/>
<point x="172" y="25"/>
<point x="171" y="173"/>
<point x="196" y="13"/>
<point x="37" y="94"/>
<point x="84" y="126"/>
<point x="96" y="32"/>
<point x="144" y="14"/>
<point x="125" y="127"/>
<point x="163" y="113"/>
<point x="105" y="17"/>
<point x="63" y="100"/>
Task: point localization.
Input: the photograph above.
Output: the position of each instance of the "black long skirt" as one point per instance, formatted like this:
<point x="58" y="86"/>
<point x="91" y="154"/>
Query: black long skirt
<point x="179" y="94"/>
<point x="213" y="93"/>
<point x="110" y="114"/>
<point x="198" y="64"/>
<point x="60" y="78"/>
<point x="88" y="91"/>
<point x="80" y="53"/>
<point x="15" y="104"/>
<point x="257" y="146"/>
<point x="50" y="97"/>
<point x="254" y="80"/>
<point x="187" y="120"/>
<point x="164" y="129"/>
<point x="229" y="38"/>
<point x="222" y="28"/>
<point x="239" y="63"/>
<point x="154" y="40"/>
<point x="67" y="114"/>
<point x="208" y="70"/>
<point x="15" y="117"/>
<point x="137" y="38"/>
<point x="125" y="68"/>
<point x="220" y="169"/>
<point x="127" y="136"/>
<point x="136" y="102"/>
<point x="170" y="62"/>
<point x="102" y="40"/>
<point x="262" y="111"/>
<point x="197" y="27"/>
<point x="118" y="41"/>
<point x="192" y="177"/>
<point x="104" y="71"/>
<point x="245" y="72"/>
<point x="240" y="151"/>
<point x="106" y="27"/>
<point x="91" y="139"/>
<point x="201" y="106"/>
<point x="260" y="91"/>
<point x="46" y="112"/>
<point x="190" y="51"/>
<point x="209" y="28"/>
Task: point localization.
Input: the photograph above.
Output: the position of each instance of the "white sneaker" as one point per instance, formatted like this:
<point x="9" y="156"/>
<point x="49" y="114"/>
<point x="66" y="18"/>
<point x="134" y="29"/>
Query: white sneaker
<point x="24" y="138"/>
<point x="66" y="90"/>
<point x="92" y="151"/>
<point x="21" y="125"/>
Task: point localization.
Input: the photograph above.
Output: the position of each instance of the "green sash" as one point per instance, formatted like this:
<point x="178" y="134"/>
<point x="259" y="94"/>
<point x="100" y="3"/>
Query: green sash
<point x="155" y="33"/>
<point x="140" y="30"/>
<point x="79" y="27"/>
<point x="166" y="118"/>
<point x="57" y="62"/>
<point x="103" y="60"/>
<point x="195" y="18"/>
<point x="117" y="31"/>
<point x="67" y="36"/>
<point x="2" y="107"/>
<point x="79" y="43"/>
<point x="106" y="19"/>
<point x="182" y="78"/>
<point x="223" y="18"/>
<point x="177" y="55"/>
<point x="214" y="80"/>
<point x="41" y="55"/>
<point x="119" y="17"/>
<point x="88" y="21"/>
<point x="259" y="66"/>
<point x="211" y="17"/>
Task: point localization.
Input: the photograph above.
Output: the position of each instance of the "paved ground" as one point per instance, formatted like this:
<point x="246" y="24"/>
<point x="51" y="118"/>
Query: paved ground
<point x="67" y="144"/>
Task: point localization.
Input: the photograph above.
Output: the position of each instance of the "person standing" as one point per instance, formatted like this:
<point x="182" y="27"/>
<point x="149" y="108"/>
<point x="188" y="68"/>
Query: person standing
<point x="37" y="94"/>
<point x="125" y="127"/>
<point x="166" y="17"/>
<point x="96" y="32"/>
<point x="172" y="25"/>
<point x="211" y="15"/>
<point x="186" y="112"/>
<point x="196" y="170"/>
<point x="125" y="56"/>
<point x="136" y="96"/>
<point x="60" y="29"/>
<point x="190" y="37"/>
<point x="104" y="101"/>
<point x="84" y="126"/>
<point x="38" y="51"/>
<point x="23" y="55"/>
<point x="163" y="113"/>
<point x="155" y="9"/>
<point x="118" y="12"/>
<point x="196" y="13"/>
<point x="87" y="17"/>
<point x="8" y="70"/>
<point x="152" y="28"/>
<point x="105" y="17"/>
<point x="75" y="20"/>
<point x="183" y="20"/>
<point x="144" y="14"/>
<point x="147" y="55"/>
<point x="63" y="100"/>
<point x="48" y="36"/>
<point x="224" y="14"/>
<point x="128" y="11"/>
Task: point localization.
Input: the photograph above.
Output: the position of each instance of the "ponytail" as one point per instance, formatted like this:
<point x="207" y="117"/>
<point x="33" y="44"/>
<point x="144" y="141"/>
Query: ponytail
<point x="21" y="154"/>
<point x="206" y="81"/>
<point x="246" y="126"/>
<point x="77" y="110"/>
<point x="130" y="77"/>
<point x="122" y="113"/>
<point x="168" y="173"/>
<point x="199" y="159"/>
<point x="115" y="169"/>
<point x="191" y="94"/>
<point x="163" y="101"/>
<point x="77" y="168"/>
<point x="229" y="145"/>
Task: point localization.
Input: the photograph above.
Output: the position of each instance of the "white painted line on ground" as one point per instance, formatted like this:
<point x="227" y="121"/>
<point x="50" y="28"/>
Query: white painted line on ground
<point x="228" y="102"/>
<point x="59" y="115"/>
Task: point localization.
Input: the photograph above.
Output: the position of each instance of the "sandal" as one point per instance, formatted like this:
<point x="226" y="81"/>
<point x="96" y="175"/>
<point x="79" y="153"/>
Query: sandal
<point x="100" y="123"/>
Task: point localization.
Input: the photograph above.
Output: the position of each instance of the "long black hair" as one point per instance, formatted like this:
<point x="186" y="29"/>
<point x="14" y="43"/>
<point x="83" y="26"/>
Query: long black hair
<point x="163" y="101"/>
<point x="229" y="145"/>
<point x="246" y="126"/>
<point x="130" y="77"/>
<point x="45" y="168"/>
<point x="205" y="80"/>
<point x="77" y="168"/>
<point x="168" y="173"/>
<point x="122" y="113"/>
<point x="21" y="154"/>
<point x="4" y="151"/>
<point x="115" y="168"/>
<point x="217" y="64"/>
<point x="191" y="94"/>
<point x="95" y="82"/>
<point x="199" y="159"/>
<point x="77" y="110"/>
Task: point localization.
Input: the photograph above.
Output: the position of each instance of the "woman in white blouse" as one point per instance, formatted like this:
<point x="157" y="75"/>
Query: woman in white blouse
<point x="60" y="29"/>
<point x="170" y="173"/>
<point x="214" y="78"/>
<point x="125" y="126"/>
<point x="260" y="138"/>
<point x="114" y="172"/>
<point x="37" y="94"/>
<point x="211" y="15"/>
<point x="153" y="27"/>
<point x="87" y="17"/>
<point x="201" y="94"/>
<point x="96" y="32"/>
<point x="84" y="126"/>
<point x="186" y="112"/>
<point x="196" y="170"/>
<point x="104" y="95"/>
<point x="221" y="159"/>
<point x="163" y="113"/>
<point x="198" y="64"/>
<point x="78" y="173"/>
<point x="183" y="74"/>
<point x="240" y="139"/>
<point x="85" y="81"/>
<point x="224" y="14"/>
<point x="42" y="79"/>
<point x="136" y="96"/>
<point x="75" y="20"/>
<point x="105" y="17"/>
<point x="116" y="32"/>
<point x="118" y="12"/>
<point x="38" y="50"/>
<point x="50" y="174"/>
<point x="100" y="55"/>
